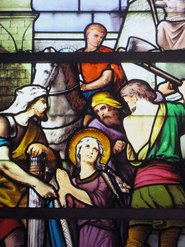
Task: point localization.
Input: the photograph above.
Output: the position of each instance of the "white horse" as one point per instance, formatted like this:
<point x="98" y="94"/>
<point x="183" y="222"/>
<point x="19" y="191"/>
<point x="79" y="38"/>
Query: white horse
<point x="65" y="101"/>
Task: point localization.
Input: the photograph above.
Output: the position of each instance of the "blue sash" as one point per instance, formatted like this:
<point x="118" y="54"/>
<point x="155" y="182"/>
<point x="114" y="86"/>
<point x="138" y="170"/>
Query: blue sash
<point x="4" y="142"/>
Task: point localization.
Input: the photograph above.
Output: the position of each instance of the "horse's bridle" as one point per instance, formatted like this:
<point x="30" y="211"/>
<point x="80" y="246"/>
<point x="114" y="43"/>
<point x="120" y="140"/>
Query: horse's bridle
<point x="62" y="91"/>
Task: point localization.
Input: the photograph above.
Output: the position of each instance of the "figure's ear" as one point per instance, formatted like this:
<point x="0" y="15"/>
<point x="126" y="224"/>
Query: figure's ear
<point x="134" y="99"/>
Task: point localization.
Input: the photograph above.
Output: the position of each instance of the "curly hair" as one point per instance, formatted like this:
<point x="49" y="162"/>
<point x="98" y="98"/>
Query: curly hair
<point x="138" y="88"/>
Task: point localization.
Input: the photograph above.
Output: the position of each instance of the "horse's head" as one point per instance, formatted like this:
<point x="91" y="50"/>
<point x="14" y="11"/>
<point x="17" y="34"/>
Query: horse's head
<point x="66" y="103"/>
<point x="62" y="80"/>
<point x="45" y="73"/>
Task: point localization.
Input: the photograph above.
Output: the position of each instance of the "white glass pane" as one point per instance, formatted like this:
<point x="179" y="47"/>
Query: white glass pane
<point x="100" y="5"/>
<point x="55" y="5"/>
<point x="124" y="4"/>
<point x="65" y="22"/>
<point x="111" y="21"/>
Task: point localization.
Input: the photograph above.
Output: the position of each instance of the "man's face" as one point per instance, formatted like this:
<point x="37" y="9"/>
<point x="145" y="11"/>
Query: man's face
<point x="40" y="108"/>
<point x="131" y="101"/>
<point x="108" y="114"/>
<point x="89" y="152"/>
<point x="95" y="38"/>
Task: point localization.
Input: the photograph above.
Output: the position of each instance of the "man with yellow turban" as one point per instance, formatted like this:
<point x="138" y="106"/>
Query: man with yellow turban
<point x="108" y="118"/>
<point x="107" y="108"/>
<point x="109" y="115"/>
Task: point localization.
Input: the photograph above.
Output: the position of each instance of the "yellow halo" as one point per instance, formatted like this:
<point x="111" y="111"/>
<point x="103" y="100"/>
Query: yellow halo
<point x="89" y="132"/>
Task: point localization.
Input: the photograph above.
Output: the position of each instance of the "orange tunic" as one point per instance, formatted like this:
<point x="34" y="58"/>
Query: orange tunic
<point x="92" y="71"/>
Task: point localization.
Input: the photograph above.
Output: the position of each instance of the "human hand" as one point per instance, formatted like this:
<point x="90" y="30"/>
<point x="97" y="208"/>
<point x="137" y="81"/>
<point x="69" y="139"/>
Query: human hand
<point x="44" y="190"/>
<point x="125" y="188"/>
<point x="36" y="149"/>
<point x="121" y="49"/>
<point x="118" y="146"/>
<point x="83" y="86"/>
<point x="64" y="186"/>
<point x="166" y="88"/>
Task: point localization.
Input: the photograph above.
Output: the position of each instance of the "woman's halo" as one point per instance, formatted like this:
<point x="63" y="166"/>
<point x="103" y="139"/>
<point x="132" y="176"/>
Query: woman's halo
<point x="89" y="132"/>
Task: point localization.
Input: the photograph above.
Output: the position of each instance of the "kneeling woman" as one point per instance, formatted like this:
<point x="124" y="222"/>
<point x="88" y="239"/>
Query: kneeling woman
<point x="88" y="149"/>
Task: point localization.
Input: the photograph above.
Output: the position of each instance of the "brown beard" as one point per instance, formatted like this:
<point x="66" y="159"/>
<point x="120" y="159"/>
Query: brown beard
<point x="43" y="117"/>
<point x="111" y="121"/>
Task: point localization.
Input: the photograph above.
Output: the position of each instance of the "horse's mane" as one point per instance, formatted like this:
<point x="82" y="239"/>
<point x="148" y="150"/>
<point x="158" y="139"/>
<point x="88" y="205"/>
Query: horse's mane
<point x="74" y="97"/>
<point x="70" y="71"/>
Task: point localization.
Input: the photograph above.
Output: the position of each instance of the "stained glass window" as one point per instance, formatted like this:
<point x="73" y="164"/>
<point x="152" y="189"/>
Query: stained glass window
<point x="92" y="123"/>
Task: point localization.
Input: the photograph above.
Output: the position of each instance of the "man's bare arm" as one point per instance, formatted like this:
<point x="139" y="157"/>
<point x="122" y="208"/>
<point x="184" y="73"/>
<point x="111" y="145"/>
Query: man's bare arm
<point x="167" y="88"/>
<point x="102" y="81"/>
<point x="13" y="171"/>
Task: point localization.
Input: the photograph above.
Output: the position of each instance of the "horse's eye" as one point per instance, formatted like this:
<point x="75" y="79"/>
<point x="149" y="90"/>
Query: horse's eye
<point x="47" y="72"/>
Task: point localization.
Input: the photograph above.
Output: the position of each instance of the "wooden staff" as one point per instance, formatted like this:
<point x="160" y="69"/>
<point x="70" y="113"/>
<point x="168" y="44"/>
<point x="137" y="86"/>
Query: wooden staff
<point x="135" y="44"/>
<point x="175" y="81"/>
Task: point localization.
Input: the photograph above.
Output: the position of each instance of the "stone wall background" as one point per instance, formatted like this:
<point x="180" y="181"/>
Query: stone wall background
<point x="16" y="35"/>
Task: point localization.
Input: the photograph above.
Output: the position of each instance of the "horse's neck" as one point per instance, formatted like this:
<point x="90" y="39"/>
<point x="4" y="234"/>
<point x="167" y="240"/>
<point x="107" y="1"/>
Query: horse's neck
<point x="59" y="104"/>
<point x="59" y="83"/>
<point x="65" y="79"/>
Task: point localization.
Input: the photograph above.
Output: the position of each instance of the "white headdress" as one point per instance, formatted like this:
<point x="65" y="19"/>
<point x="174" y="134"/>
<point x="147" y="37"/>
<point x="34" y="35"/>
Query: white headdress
<point x="24" y="96"/>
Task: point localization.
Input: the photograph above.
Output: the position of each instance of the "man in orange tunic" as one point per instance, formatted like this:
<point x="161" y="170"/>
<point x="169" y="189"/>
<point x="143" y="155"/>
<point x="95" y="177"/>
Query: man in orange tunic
<point x="97" y="77"/>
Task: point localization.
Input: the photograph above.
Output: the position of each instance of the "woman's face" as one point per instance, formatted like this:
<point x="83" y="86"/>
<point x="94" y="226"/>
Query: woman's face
<point x="89" y="151"/>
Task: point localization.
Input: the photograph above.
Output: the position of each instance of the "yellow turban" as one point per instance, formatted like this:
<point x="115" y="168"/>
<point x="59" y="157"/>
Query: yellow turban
<point x="104" y="98"/>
